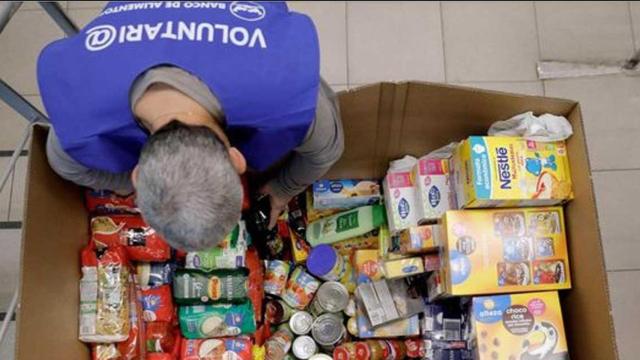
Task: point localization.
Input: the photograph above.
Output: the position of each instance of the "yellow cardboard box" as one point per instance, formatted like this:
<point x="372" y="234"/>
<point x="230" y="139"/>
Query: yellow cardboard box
<point x="518" y="326"/>
<point x="419" y="239"/>
<point x="495" y="251"/>
<point x="491" y="171"/>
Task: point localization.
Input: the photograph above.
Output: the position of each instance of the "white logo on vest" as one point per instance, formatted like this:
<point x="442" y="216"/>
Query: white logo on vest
<point x="100" y="37"/>
<point x="247" y="10"/>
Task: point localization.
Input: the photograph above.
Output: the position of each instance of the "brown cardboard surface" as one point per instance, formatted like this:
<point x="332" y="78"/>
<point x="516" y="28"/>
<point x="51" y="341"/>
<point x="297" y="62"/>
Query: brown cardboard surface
<point x="382" y="122"/>
<point x="54" y="230"/>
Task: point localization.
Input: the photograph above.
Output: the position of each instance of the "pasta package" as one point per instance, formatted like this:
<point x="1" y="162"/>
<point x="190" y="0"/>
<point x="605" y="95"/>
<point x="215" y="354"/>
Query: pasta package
<point x="191" y="287"/>
<point x="104" y="295"/>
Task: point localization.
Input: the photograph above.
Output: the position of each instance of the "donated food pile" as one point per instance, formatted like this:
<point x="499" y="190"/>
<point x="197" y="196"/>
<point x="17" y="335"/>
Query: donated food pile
<point x="353" y="270"/>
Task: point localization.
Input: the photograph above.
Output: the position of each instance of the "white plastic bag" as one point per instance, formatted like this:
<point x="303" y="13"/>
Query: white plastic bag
<point x="544" y="128"/>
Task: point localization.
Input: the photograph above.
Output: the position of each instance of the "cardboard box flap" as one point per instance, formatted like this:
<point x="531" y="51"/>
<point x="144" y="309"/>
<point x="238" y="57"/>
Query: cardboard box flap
<point x="55" y="228"/>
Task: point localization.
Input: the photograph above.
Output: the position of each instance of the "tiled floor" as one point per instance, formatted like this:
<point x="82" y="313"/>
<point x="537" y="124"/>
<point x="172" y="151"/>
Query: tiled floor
<point x="492" y="45"/>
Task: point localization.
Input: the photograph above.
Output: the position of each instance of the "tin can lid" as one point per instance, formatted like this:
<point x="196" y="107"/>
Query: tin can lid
<point x="300" y="322"/>
<point x="352" y="327"/>
<point x="333" y="296"/>
<point x="304" y="347"/>
<point x="363" y="352"/>
<point x="327" y="329"/>
<point x="321" y="260"/>
<point x="321" y="357"/>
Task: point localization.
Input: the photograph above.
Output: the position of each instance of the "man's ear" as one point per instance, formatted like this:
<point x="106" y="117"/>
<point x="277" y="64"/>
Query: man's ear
<point x="237" y="160"/>
<point x="134" y="176"/>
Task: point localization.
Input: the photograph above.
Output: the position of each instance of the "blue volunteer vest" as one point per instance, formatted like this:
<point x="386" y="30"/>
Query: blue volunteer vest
<point x="260" y="60"/>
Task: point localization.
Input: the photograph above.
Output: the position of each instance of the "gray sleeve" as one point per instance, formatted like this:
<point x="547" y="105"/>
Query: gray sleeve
<point x="322" y="147"/>
<point x="77" y="173"/>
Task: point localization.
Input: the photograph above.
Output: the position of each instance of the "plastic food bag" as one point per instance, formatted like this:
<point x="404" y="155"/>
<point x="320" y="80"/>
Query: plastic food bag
<point x="160" y="337"/>
<point x="157" y="304"/>
<point x="543" y="128"/>
<point x="211" y="321"/>
<point x="104" y="295"/>
<point x="108" y="202"/>
<point x="239" y="348"/>
<point x="256" y="281"/>
<point x="199" y="287"/>
<point x="141" y="241"/>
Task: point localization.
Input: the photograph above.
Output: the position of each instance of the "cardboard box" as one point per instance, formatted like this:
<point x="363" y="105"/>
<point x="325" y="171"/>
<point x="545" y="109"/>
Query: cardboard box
<point x="381" y="122"/>
<point x="400" y="200"/>
<point x="492" y="171"/>
<point x="518" y="326"/>
<point x="419" y="239"/>
<point x="345" y="194"/>
<point x="497" y="251"/>
<point x="434" y="190"/>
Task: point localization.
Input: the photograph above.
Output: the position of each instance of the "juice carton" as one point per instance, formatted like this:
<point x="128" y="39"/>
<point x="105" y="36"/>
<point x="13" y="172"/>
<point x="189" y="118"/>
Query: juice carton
<point x="493" y="171"/>
<point x="419" y="239"/>
<point x="400" y="200"/>
<point x="434" y="191"/>
<point x="495" y="251"/>
<point x="345" y="194"/>
<point x="518" y="326"/>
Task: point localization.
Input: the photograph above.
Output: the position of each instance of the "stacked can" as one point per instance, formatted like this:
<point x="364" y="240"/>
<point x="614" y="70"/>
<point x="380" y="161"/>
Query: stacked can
<point x="328" y="330"/>
<point x="304" y="347"/>
<point x="277" y="311"/>
<point x="331" y="297"/>
<point x="275" y="277"/>
<point x="325" y="263"/>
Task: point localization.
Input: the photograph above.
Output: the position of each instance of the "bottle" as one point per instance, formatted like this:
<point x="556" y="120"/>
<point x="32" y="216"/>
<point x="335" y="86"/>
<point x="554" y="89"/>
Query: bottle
<point x="346" y="225"/>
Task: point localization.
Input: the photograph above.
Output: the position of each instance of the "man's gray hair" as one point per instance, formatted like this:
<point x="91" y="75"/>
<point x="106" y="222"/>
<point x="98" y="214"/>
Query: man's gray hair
<point x="187" y="188"/>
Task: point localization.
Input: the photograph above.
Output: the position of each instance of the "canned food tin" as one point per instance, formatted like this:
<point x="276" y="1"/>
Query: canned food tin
<point x="350" y="310"/>
<point x="304" y="347"/>
<point x="415" y="348"/>
<point x="277" y="311"/>
<point x="331" y="297"/>
<point x="275" y="276"/>
<point x="300" y="289"/>
<point x="397" y="349"/>
<point x="378" y="349"/>
<point x="278" y="345"/>
<point x="321" y="357"/>
<point x="363" y="351"/>
<point x="346" y="351"/>
<point x="325" y="263"/>
<point x="300" y="323"/>
<point x="327" y="330"/>
<point x="352" y="327"/>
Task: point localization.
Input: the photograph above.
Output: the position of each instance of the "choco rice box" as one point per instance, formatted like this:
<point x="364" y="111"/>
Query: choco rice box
<point x="493" y="171"/>
<point x="492" y="251"/>
<point x="518" y="327"/>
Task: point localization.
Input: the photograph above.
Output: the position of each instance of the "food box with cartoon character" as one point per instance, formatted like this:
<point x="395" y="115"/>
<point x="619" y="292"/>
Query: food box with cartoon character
<point x="491" y="171"/>
<point x="518" y="327"/>
<point x="493" y="251"/>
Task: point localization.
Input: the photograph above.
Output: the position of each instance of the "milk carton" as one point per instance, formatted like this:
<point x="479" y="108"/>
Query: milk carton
<point x="400" y="200"/>
<point x="492" y="171"/>
<point x="434" y="193"/>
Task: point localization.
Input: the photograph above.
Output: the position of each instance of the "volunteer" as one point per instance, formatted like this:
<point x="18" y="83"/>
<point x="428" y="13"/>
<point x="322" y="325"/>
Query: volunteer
<point x="177" y="99"/>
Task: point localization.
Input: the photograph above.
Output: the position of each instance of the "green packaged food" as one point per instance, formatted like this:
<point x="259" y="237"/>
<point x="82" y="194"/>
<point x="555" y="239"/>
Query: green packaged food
<point x="192" y="287"/>
<point x="221" y="320"/>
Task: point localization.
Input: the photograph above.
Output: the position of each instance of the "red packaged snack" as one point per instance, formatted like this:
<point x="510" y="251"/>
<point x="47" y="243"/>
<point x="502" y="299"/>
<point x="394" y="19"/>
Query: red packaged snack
<point x="135" y="347"/>
<point x="238" y="348"/>
<point x="141" y="241"/>
<point x="256" y="281"/>
<point x="108" y="202"/>
<point x="246" y="203"/>
<point x="160" y="337"/>
<point x="160" y="356"/>
<point x="157" y="304"/>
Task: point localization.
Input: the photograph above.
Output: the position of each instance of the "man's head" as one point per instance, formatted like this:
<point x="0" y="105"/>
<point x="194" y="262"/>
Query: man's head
<point x="188" y="187"/>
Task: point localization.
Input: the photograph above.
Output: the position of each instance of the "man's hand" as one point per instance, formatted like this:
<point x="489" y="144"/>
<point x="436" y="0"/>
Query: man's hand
<point x="278" y="204"/>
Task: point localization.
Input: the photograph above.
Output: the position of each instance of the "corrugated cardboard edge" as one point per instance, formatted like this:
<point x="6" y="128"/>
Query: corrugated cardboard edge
<point x="601" y="263"/>
<point x="47" y="327"/>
